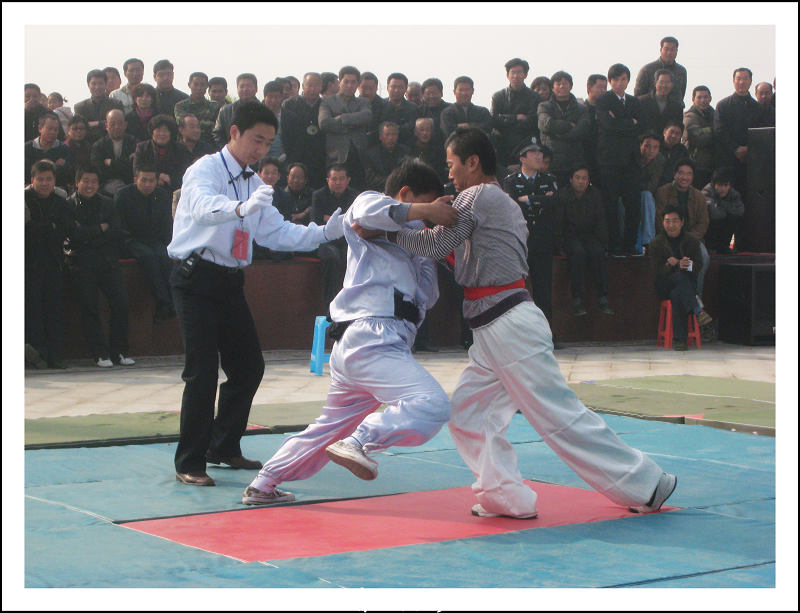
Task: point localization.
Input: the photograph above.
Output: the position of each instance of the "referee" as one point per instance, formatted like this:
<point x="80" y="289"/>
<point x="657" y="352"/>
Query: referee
<point x="223" y="207"/>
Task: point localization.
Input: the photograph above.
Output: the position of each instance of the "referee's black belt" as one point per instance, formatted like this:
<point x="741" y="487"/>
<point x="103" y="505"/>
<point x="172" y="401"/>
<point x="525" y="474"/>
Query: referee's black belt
<point x="218" y="268"/>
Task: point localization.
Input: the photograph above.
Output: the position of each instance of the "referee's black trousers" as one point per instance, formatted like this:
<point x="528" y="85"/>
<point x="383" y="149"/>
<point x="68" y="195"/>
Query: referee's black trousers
<point x="217" y="328"/>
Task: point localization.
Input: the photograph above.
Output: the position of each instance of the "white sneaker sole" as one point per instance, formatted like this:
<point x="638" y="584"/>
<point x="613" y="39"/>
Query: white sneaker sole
<point x="479" y="511"/>
<point x="353" y="462"/>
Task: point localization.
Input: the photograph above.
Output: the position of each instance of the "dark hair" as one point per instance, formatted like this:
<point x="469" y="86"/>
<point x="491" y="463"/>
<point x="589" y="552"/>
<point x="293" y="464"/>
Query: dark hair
<point x="617" y="70"/>
<point x="34" y="86"/>
<point x="77" y="119"/>
<point x="466" y="142"/>
<point x="293" y="80"/>
<point x="273" y="87"/>
<point x="561" y="74"/>
<point x="82" y="170"/>
<point x="197" y="74"/>
<point x="130" y="61"/>
<point x="327" y="79"/>
<point x="672" y="122"/>
<point x="517" y="62"/>
<point x="369" y="76"/>
<point x="143" y="88"/>
<point x="663" y="71"/>
<point x="397" y="75"/>
<point x="416" y="175"/>
<point x="349" y="70"/>
<point x="182" y="120"/>
<point x="578" y="167"/>
<point x="43" y="166"/>
<point x="156" y="121"/>
<point x="312" y="74"/>
<point x="218" y="81"/>
<point x="700" y="88"/>
<point x="432" y="82"/>
<point x="337" y="168"/>
<point x="387" y="124"/>
<point x="57" y="96"/>
<point x="594" y="78"/>
<point x="668" y="39"/>
<point x="162" y="65"/>
<point x="683" y="162"/>
<point x="547" y="152"/>
<point x="463" y="79"/>
<point x="742" y="69"/>
<point x="721" y="175"/>
<point x="95" y="74"/>
<point x="144" y="163"/>
<point x="251" y="113"/>
<point x="539" y="80"/>
<point x="267" y="161"/>
<point x="247" y="75"/>
<point x="650" y="134"/>
<point x="45" y="116"/>
<point x="111" y="69"/>
<point x="301" y="165"/>
<point x="673" y="208"/>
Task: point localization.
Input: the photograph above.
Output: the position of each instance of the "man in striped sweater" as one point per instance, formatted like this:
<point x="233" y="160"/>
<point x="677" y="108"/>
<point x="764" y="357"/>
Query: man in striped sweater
<point x="511" y="362"/>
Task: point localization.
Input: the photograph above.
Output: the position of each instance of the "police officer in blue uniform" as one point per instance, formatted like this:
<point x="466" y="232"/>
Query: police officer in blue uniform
<point x="536" y="192"/>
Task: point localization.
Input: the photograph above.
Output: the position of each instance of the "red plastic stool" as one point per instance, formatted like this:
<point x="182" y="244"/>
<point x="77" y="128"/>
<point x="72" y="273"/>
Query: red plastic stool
<point x="665" y="327"/>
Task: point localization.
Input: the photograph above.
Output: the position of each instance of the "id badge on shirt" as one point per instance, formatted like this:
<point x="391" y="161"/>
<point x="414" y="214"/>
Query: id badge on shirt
<point x="241" y="244"/>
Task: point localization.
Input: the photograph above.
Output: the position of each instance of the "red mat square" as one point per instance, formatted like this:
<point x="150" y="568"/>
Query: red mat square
<point x="325" y="528"/>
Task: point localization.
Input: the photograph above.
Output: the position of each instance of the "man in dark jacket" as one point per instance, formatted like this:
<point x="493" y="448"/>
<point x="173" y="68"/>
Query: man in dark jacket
<point x="582" y="234"/>
<point x="47" y="147"/>
<point x="47" y="221"/>
<point x="674" y="255"/>
<point x="399" y="110"/>
<point x="563" y="124"/>
<point x="657" y="107"/>
<point x="463" y="112"/>
<point x="618" y="116"/>
<point x="93" y="257"/>
<point x="645" y="81"/>
<point x="113" y="154"/>
<point x="698" y="134"/>
<point x="302" y="139"/>
<point x="733" y="116"/>
<point x="596" y="86"/>
<point x="514" y="111"/>
<point x="536" y="192"/>
<point x="299" y="193"/>
<point x="145" y="212"/>
<point x="333" y="255"/>
<point x="95" y="108"/>
<point x="381" y="159"/>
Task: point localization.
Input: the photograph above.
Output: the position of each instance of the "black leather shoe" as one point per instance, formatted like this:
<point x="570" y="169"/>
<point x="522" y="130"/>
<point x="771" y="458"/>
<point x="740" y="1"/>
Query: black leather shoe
<point x="234" y="462"/>
<point x="195" y="478"/>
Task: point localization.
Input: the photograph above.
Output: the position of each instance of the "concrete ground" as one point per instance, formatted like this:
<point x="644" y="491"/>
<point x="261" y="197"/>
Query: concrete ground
<point x="154" y="384"/>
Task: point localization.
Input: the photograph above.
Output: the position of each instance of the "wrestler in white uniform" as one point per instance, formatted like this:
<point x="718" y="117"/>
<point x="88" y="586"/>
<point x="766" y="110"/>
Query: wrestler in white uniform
<point x="372" y="364"/>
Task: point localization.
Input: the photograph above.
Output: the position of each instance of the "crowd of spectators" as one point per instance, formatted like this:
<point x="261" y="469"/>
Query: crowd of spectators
<point x="593" y="173"/>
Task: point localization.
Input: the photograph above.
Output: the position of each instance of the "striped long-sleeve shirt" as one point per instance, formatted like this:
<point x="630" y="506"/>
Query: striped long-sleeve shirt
<point x="489" y="241"/>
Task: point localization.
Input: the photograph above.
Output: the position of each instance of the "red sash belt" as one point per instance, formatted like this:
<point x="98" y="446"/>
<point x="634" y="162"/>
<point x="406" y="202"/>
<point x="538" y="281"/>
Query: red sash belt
<point x="474" y="293"/>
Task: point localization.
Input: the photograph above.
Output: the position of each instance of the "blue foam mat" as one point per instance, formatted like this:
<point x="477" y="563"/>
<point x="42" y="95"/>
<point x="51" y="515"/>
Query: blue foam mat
<point x="725" y="479"/>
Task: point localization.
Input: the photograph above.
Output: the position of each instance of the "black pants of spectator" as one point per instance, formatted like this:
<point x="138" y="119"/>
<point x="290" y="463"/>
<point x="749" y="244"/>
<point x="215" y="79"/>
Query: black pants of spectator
<point x="541" y="274"/>
<point x="355" y="169"/>
<point x="583" y="252"/>
<point x="622" y="182"/>
<point x="156" y="265"/>
<point x="720" y="231"/>
<point x="333" y="262"/>
<point x="681" y="289"/>
<point x="44" y="299"/>
<point x="217" y="329"/>
<point x="107" y="278"/>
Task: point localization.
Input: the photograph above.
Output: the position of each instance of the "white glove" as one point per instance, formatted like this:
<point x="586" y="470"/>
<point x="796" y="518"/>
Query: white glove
<point x="334" y="228"/>
<point x="259" y="199"/>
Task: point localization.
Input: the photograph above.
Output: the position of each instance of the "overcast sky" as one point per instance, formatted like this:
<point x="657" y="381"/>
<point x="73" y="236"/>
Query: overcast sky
<point x="56" y="44"/>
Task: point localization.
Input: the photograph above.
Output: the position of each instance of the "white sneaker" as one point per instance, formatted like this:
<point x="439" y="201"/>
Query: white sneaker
<point x="353" y="459"/>
<point x="103" y="363"/>
<point x="666" y="485"/>
<point x="123" y="361"/>
<point x="254" y="496"/>
<point x="479" y="511"/>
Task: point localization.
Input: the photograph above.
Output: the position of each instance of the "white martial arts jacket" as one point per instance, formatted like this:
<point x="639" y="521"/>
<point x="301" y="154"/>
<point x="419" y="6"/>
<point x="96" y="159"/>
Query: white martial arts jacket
<point x="377" y="267"/>
<point x="206" y="219"/>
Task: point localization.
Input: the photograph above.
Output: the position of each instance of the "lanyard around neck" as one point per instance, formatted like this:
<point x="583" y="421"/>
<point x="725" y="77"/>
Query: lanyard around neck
<point x="233" y="181"/>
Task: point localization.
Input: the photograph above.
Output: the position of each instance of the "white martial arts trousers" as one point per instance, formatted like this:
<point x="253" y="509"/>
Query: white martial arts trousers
<point x="512" y="367"/>
<point x="371" y="365"/>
